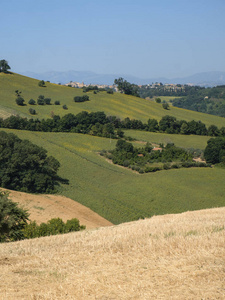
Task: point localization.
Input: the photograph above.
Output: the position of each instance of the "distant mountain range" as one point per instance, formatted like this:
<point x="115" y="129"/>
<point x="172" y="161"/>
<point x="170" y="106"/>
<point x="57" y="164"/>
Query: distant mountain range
<point x="207" y="79"/>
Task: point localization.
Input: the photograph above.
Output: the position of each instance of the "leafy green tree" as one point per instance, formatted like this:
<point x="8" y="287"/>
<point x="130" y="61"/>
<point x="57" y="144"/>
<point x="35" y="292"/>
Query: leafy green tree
<point x="215" y="150"/>
<point x="32" y="111"/>
<point x="12" y="219"/>
<point x="4" y="66"/>
<point x="158" y="100"/>
<point x="126" y="87"/>
<point x="41" y="100"/>
<point x="213" y="130"/>
<point x="153" y="125"/>
<point x="20" y="101"/>
<point x="25" y="166"/>
<point x="31" y="102"/>
<point x="47" y="101"/>
<point x="41" y="83"/>
<point x="165" y="105"/>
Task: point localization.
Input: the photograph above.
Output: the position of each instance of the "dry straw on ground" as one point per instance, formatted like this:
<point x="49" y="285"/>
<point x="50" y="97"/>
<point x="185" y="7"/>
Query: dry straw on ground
<point x="166" y="257"/>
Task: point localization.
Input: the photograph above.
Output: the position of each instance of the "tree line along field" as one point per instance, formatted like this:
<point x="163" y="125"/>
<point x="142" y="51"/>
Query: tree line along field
<point x="120" y="195"/>
<point x="116" y="104"/>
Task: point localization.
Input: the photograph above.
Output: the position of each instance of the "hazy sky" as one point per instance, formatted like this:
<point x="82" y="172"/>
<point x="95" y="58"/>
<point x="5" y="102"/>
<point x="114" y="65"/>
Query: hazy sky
<point x="145" y="38"/>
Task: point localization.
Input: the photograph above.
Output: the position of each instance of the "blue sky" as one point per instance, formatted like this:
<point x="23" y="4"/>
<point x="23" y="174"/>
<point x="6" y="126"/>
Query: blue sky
<point x="145" y="38"/>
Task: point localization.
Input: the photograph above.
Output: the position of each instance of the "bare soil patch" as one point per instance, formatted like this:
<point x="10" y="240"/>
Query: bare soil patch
<point x="45" y="207"/>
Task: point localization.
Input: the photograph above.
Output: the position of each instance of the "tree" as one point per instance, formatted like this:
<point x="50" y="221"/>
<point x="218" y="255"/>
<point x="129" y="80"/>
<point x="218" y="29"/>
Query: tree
<point x="4" y="66"/>
<point x="126" y="87"/>
<point x="158" y="100"/>
<point x="41" y="83"/>
<point x="26" y="167"/>
<point x="20" y="101"/>
<point x="12" y="219"/>
<point x="215" y="150"/>
<point x="41" y="100"/>
<point x="165" y="105"/>
<point x="31" y="102"/>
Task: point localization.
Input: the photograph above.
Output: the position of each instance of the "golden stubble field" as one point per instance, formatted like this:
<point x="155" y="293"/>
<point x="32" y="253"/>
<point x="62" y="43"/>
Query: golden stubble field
<point x="180" y="256"/>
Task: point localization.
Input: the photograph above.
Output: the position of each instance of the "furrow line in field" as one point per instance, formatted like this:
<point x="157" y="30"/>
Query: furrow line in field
<point x="81" y="156"/>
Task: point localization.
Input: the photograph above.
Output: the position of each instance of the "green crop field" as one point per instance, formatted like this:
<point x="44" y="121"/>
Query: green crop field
<point x="118" y="194"/>
<point x="184" y="141"/>
<point x="116" y="104"/>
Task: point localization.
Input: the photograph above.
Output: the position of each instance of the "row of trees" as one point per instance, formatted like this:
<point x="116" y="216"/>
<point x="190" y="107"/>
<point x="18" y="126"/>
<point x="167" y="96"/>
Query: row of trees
<point x="97" y="123"/>
<point x="41" y="100"/>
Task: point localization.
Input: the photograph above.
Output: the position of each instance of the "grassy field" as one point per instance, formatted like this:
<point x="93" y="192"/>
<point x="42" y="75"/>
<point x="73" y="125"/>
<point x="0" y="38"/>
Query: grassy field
<point x="117" y="104"/>
<point x="117" y="194"/>
<point x="165" y="257"/>
<point x="120" y="195"/>
<point x="184" y="141"/>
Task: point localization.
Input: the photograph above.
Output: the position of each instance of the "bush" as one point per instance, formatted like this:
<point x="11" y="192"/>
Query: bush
<point x="41" y="83"/>
<point x="31" y="102"/>
<point x="20" y="101"/>
<point x="47" y="101"/>
<point x="57" y="102"/>
<point x="65" y="106"/>
<point x="32" y="111"/>
<point x="41" y="102"/>
<point x="81" y="98"/>
<point x="52" y="227"/>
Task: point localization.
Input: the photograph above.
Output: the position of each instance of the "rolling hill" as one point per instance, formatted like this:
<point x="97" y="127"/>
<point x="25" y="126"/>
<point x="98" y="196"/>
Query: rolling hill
<point x="117" y="194"/>
<point x="166" y="257"/>
<point x="119" y="105"/>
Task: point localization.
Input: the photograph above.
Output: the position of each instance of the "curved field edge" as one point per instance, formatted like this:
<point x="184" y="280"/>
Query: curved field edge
<point x="117" y="104"/>
<point x="166" y="257"/>
<point x="42" y="208"/>
<point x="119" y="195"/>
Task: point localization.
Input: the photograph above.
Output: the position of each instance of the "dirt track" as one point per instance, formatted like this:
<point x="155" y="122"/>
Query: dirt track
<point x="45" y="207"/>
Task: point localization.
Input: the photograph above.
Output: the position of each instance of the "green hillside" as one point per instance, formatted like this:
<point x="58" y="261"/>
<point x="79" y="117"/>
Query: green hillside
<point x="116" y="193"/>
<point x="119" y="194"/>
<point x="117" y="104"/>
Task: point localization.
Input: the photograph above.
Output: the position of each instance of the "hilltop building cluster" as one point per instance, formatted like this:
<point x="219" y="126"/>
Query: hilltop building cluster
<point x="82" y="85"/>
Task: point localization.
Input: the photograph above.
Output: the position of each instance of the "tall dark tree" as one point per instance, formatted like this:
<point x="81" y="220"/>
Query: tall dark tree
<point x="4" y="66"/>
<point x="215" y="150"/>
<point x="126" y="87"/>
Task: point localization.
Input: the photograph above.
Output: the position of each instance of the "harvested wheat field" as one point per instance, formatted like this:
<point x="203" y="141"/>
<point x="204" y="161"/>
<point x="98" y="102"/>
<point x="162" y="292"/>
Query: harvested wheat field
<point x="45" y="207"/>
<point x="178" y="256"/>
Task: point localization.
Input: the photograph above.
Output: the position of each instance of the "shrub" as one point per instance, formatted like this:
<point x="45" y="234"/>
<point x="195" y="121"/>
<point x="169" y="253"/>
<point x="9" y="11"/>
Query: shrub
<point x="81" y="98"/>
<point x="32" y="111"/>
<point x="47" y="101"/>
<point x="31" y="102"/>
<point x="57" y="102"/>
<point x="52" y="227"/>
<point x="20" y="101"/>
<point x="65" y="106"/>
<point x="41" y="83"/>
<point x="40" y="102"/>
